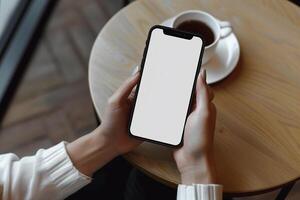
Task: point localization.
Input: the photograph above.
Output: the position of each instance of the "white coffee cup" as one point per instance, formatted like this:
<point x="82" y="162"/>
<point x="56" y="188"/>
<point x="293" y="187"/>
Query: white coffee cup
<point x="221" y="29"/>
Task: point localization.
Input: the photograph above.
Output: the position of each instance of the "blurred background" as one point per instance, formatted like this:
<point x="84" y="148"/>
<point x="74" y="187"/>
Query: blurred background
<point x="52" y="100"/>
<point x="44" y="94"/>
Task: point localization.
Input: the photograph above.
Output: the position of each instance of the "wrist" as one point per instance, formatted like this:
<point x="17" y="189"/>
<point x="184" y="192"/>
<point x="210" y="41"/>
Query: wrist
<point x="103" y="141"/>
<point x="91" y="152"/>
<point x="199" y="171"/>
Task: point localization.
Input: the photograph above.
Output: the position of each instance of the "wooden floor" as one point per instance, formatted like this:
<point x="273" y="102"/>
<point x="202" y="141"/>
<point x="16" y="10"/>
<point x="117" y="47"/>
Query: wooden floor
<point x="53" y="102"/>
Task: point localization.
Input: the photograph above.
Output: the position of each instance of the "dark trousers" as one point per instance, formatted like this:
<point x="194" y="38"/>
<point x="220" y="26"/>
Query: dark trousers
<point x="118" y="180"/>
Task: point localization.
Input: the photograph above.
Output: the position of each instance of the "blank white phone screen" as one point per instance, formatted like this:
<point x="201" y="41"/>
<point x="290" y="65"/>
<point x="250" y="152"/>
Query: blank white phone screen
<point x="165" y="87"/>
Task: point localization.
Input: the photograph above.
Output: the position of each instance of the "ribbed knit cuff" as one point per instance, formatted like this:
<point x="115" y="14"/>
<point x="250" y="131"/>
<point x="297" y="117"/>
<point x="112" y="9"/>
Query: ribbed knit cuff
<point x="57" y="163"/>
<point x="200" y="192"/>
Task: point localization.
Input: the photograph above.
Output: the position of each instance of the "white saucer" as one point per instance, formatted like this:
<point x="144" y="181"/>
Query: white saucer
<point x="223" y="62"/>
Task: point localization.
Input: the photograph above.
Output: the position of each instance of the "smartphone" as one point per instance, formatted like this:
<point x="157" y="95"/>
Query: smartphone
<point x="169" y="69"/>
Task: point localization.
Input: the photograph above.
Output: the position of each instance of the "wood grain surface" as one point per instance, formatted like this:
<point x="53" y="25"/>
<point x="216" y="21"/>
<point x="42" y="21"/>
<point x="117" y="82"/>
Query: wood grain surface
<point x="257" y="143"/>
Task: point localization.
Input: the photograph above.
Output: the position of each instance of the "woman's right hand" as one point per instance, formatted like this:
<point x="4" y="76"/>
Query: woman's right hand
<point x="195" y="159"/>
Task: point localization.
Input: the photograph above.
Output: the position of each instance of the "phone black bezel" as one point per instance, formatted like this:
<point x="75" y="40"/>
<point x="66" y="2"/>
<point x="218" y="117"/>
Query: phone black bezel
<point x="174" y="33"/>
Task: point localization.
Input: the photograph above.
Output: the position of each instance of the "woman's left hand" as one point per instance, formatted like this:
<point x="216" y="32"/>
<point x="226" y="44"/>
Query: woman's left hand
<point x="114" y="126"/>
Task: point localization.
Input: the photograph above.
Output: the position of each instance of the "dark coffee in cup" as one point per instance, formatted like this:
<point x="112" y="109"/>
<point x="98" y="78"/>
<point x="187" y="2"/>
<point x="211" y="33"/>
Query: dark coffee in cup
<point x="198" y="27"/>
<point x="211" y="29"/>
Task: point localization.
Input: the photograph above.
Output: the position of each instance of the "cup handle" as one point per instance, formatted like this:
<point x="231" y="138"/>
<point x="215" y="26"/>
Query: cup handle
<point x="226" y="28"/>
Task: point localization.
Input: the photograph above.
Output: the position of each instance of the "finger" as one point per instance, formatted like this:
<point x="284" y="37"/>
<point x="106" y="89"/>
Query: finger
<point x="210" y="93"/>
<point x="202" y="96"/>
<point x="193" y="103"/>
<point x="204" y="75"/>
<point x="213" y="109"/>
<point x="125" y="89"/>
<point x="132" y="94"/>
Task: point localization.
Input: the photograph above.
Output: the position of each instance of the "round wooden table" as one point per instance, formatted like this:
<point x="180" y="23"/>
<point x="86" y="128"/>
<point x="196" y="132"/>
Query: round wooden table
<point x="257" y="142"/>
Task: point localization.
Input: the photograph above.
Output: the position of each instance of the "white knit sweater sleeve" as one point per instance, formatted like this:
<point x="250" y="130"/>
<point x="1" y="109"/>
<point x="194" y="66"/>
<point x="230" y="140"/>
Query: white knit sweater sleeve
<point x="49" y="174"/>
<point x="200" y="192"/>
